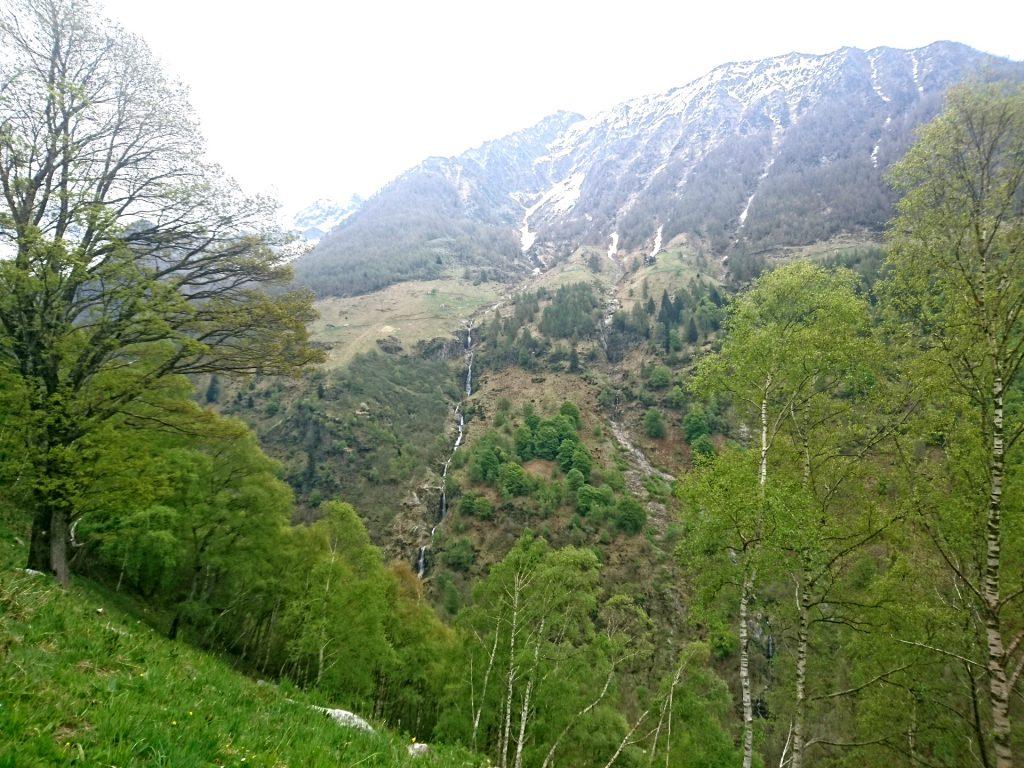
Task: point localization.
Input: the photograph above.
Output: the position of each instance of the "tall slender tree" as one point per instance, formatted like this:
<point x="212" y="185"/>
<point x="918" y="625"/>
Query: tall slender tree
<point x="956" y="296"/>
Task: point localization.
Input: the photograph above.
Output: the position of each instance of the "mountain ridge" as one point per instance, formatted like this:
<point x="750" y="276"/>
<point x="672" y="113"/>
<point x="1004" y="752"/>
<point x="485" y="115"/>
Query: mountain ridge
<point x="756" y="154"/>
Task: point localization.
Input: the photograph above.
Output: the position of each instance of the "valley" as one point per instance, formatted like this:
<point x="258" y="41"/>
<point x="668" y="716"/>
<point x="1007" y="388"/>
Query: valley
<point x="686" y="432"/>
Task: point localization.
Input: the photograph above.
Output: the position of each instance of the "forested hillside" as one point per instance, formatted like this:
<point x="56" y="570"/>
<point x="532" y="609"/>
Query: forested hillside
<point x="647" y="506"/>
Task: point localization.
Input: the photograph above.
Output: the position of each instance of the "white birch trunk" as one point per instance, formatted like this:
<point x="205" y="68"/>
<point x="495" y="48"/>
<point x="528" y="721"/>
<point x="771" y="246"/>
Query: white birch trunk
<point x="802" y="642"/>
<point x="524" y="712"/>
<point x="999" y="688"/>
<point x="483" y="688"/>
<point x="510" y="681"/>
<point x="748" y="708"/>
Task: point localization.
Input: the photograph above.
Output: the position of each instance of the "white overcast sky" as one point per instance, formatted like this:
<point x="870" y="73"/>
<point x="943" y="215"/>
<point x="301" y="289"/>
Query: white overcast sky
<point x="308" y="99"/>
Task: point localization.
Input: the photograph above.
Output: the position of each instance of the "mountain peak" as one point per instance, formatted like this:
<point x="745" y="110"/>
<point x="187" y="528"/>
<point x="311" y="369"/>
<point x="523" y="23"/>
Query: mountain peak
<point x="752" y="155"/>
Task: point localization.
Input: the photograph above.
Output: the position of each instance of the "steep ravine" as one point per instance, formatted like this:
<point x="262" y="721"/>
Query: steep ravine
<point x="460" y="424"/>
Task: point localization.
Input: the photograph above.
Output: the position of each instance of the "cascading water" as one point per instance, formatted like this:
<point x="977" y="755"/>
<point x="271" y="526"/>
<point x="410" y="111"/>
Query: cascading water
<point x="469" y="367"/>
<point x="460" y="424"/>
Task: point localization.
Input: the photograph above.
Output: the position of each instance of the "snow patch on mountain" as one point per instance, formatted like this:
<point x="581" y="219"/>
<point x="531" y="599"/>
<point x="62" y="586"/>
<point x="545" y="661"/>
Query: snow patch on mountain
<point x="559" y="199"/>
<point x="874" y="80"/>
<point x="878" y="144"/>
<point x="657" y="241"/>
<point x="916" y="72"/>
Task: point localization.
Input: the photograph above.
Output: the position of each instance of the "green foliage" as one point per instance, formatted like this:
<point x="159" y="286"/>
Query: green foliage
<point x="630" y="515"/>
<point x="591" y="500"/>
<point x="703" y="447"/>
<point x="126" y="696"/>
<point x="459" y="554"/>
<point x="659" y="377"/>
<point x="574" y="312"/>
<point x="574" y="480"/>
<point x="176" y="277"/>
<point x="524" y="443"/>
<point x="547" y="441"/>
<point x="572" y="411"/>
<point x="474" y="505"/>
<point x="654" y="423"/>
<point x="677" y="398"/>
<point x="512" y="480"/>
<point x="696" y="424"/>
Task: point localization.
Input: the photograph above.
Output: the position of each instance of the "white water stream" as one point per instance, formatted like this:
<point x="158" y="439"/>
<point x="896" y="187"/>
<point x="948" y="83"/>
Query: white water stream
<point x="460" y="424"/>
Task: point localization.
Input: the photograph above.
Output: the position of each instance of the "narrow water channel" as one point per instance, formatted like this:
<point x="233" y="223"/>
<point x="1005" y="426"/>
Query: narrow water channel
<point x="460" y="424"/>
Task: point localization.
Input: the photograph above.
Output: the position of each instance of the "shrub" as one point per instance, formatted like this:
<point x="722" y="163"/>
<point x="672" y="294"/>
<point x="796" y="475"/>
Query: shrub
<point x="570" y="410"/>
<point x="512" y="480"/>
<point x="459" y="555"/>
<point x="654" y="423"/>
<point x="703" y="446"/>
<point x="575" y="480"/>
<point x="659" y="377"/>
<point x="524" y="443"/>
<point x="581" y="460"/>
<point x="696" y="424"/>
<point x="677" y="398"/>
<point x="630" y="516"/>
<point x="590" y="499"/>
<point x="474" y="505"/>
<point x="547" y="442"/>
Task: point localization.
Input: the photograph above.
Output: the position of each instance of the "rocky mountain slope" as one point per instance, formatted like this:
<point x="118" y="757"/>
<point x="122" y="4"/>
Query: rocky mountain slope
<point x="754" y="155"/>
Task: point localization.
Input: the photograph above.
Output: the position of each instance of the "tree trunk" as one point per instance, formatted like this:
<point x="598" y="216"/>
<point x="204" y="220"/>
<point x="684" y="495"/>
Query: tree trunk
<point x="39" y="546"/>
<point x="762" y="476"/>
<point x="487" y="675"/>
<point x="748" y="708"/>
<point x="999" y="688"/>
<point x="525" y="709"/>
<point x="802" y="641"/>
<point x="510" y="681"/>
<point x="59" y="546"/>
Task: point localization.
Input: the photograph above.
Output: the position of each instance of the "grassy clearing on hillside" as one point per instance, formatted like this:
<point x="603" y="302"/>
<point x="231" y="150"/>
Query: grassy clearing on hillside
<point x="83" y="683"/>
<point x="411" y="312"/>
<point x="673" y="269"/>
<point x="576" y="269"/>
<point x="824" y="249"/>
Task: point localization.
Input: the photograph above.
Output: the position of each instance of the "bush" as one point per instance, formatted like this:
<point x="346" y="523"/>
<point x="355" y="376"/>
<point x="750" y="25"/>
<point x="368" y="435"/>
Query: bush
<point x="575" y="480"/>
<point x="570" y="410"/>
<point x="524" y="443"/>
<point x="474" y="505"/>
<point x="459" y="555"/>
<point x="512" y="480"/>
<point x="581" y="460"/>
<point x="590" y="499"/>
<point x="659" y="377"/>
<point x="547" y="442"/>
<point x="703" y="446"/>
<point x="696" y="424"/>
<point x="630" y="516"/>
<point x="677" y="398"/>
<point x="654" y="423"/>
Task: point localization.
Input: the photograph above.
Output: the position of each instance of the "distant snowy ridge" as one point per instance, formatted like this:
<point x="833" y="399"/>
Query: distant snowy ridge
<point x="752" y="156"/>
<point x="320" y="217"/>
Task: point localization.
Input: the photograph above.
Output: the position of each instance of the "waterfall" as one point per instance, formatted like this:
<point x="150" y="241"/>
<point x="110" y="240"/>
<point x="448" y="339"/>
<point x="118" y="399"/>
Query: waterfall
<point x="460" y="425"/>
<point x="469" y="364"/>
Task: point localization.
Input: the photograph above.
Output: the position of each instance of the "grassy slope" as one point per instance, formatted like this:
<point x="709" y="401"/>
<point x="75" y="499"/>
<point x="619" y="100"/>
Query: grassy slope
<point x="85" y="683"/>
<point x="411" y="312"/>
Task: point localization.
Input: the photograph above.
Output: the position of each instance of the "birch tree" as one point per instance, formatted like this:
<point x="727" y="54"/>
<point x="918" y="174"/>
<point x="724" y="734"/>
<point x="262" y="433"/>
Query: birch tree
<point x="535" y="670"/>
<point x="789" y="339"/>
<point x="956" y="297"/>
